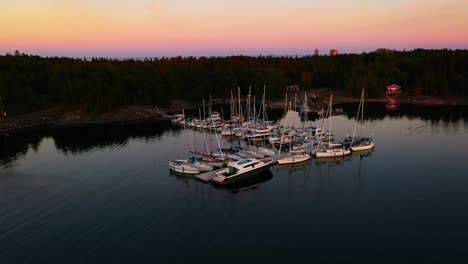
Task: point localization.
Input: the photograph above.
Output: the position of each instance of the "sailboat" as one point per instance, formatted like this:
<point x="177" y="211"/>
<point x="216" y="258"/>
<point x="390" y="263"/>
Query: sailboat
<point x="330" y="150"/>
<point x="361" y="143"/>
<point x="292" y="157"/>
<point x="192" y="165"/>
<point x="183" y="167"/>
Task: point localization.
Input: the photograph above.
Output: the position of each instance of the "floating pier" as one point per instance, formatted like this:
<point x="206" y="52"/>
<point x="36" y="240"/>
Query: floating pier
<point x="207" y="176"/>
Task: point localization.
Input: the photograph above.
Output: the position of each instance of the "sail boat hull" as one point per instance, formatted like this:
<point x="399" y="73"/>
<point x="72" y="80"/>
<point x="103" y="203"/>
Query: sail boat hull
<point x="183" y="168"/>
<point x="332" y="153"/>
<point x="362" y="147"/>
<point x="294" y="159"/>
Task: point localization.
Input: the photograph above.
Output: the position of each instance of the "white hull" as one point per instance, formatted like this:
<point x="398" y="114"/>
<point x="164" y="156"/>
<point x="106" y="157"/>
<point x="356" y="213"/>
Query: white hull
<point x="222" y="178"/>
<point x="294" y="159"/>
<point x="362" y="147"/>
<point x="332" y="153"/>
<point x="184" y="169"/>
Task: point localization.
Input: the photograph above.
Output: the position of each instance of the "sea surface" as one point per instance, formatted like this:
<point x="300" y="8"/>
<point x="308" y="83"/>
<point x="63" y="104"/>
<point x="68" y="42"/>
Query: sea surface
<point x="106" y="195"/>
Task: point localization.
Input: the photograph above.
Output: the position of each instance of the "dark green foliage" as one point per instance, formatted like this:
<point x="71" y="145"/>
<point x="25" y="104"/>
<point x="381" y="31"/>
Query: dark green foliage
<point x="29" y="83"/>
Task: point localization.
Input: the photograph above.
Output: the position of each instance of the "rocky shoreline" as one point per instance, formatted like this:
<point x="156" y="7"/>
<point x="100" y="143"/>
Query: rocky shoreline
<point x="60" y="118"/>
<point x="137" y="115"/>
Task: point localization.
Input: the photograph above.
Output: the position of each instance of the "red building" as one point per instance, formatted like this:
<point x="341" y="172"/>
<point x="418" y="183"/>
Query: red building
<point x="333" y="52"/>
<point x="393" y="89"/>
<point x="316" y="52"/>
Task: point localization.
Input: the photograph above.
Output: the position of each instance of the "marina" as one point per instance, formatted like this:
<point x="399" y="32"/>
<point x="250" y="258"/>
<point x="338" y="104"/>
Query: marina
<point x="252" y="137"/>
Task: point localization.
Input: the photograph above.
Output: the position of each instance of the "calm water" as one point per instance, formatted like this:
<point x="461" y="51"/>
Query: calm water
<point x="107" y="196"/>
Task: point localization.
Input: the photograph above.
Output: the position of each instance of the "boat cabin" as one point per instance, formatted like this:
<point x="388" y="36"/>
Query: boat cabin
<point x="240" y="166"/>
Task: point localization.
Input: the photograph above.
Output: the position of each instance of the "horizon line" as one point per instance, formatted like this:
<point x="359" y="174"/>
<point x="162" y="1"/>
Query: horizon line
<point x="327" y="54"/>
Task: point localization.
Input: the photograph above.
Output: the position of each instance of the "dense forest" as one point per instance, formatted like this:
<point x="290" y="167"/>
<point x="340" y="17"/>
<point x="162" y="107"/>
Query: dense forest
<point x="29" y="83"/>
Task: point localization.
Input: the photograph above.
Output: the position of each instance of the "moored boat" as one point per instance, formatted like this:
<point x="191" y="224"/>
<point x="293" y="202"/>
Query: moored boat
<point x="294" y="158"/>
<point x="332" y="152"/>
<point x="240" y="170"/>
<point x="183" y="167"/>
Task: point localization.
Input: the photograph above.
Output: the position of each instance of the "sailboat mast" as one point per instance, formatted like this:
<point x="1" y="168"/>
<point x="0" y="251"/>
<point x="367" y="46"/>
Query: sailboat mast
<point x="183" y="115"/>
<point x="265" y="118"/>
<point x="362" y="116"/>
<point x="306" y="110"/>
<point x="254" y="110"/>
<point x="331" y="104"/>
<point x="204" y="114"/>
<point x="240" y="108"/>
<point x="248" y="109"/>
<point x="357" y="118"/>
<point x="285" y="105"/>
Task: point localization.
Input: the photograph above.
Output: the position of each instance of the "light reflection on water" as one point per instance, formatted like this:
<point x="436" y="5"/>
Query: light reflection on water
<point x="106" y="195"/>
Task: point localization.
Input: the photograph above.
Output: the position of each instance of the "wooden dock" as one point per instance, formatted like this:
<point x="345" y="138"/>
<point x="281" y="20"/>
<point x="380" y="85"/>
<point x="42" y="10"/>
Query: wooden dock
<point x="207" y="176"/>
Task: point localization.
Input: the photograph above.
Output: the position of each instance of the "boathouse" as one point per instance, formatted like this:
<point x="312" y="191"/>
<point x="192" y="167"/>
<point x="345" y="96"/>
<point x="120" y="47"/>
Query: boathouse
<point x="393" y="89"/>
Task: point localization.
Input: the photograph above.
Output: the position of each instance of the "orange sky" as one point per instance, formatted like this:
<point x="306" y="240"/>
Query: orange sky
<point x="122" y="28"/>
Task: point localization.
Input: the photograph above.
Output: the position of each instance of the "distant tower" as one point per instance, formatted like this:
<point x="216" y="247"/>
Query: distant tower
<point x="316" y="52"/>
<point x="333" y="52"/>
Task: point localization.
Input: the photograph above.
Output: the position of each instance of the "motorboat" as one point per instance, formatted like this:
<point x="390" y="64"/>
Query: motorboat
<point x="242" y="169"/>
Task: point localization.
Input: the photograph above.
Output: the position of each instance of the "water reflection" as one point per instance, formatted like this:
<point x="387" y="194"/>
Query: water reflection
<point x="64" y="192"/>
<point x="294" y="166"/>
<point x="392" y="106"/>
<point x="332" y="160"/>
<point x="363" y="153"/>
<point x="379" y="111"/>
<point x="79" y="140"/>
<point x="15" y="146"/>
<point x="76" y="141"/>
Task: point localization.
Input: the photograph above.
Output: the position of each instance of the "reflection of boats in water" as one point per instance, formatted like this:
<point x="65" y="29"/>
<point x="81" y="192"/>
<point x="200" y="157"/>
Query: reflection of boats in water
<point x="251" y="184"/>
<point x="294" y="166"/>
<point x="181" y="176"/>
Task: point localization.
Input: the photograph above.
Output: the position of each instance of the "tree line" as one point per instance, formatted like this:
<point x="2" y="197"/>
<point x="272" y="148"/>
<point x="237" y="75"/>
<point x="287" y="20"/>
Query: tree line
<point x="29" y="83"/>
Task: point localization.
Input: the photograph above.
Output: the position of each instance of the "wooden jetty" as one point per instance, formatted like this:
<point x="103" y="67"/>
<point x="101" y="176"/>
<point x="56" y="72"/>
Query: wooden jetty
<point x="207" y="176"/>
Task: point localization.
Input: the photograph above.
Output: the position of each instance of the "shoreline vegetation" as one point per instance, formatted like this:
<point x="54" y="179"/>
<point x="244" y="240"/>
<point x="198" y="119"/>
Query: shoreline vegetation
<point x="61" y="92"/>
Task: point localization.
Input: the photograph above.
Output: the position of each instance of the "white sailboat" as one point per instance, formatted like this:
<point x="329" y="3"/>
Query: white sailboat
<point x="294" y="158"/>
<point x="183" y="167"/>
<point x="361" y="143"/>
<point x="330" y="151"/>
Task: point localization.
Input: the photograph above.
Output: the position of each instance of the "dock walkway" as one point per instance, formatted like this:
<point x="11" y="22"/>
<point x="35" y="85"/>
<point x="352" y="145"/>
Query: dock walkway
<point x="207" y="176"/>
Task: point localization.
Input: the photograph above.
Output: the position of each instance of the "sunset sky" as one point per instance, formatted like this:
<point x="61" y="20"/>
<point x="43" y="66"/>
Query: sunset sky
<point x="149" y="28"/>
